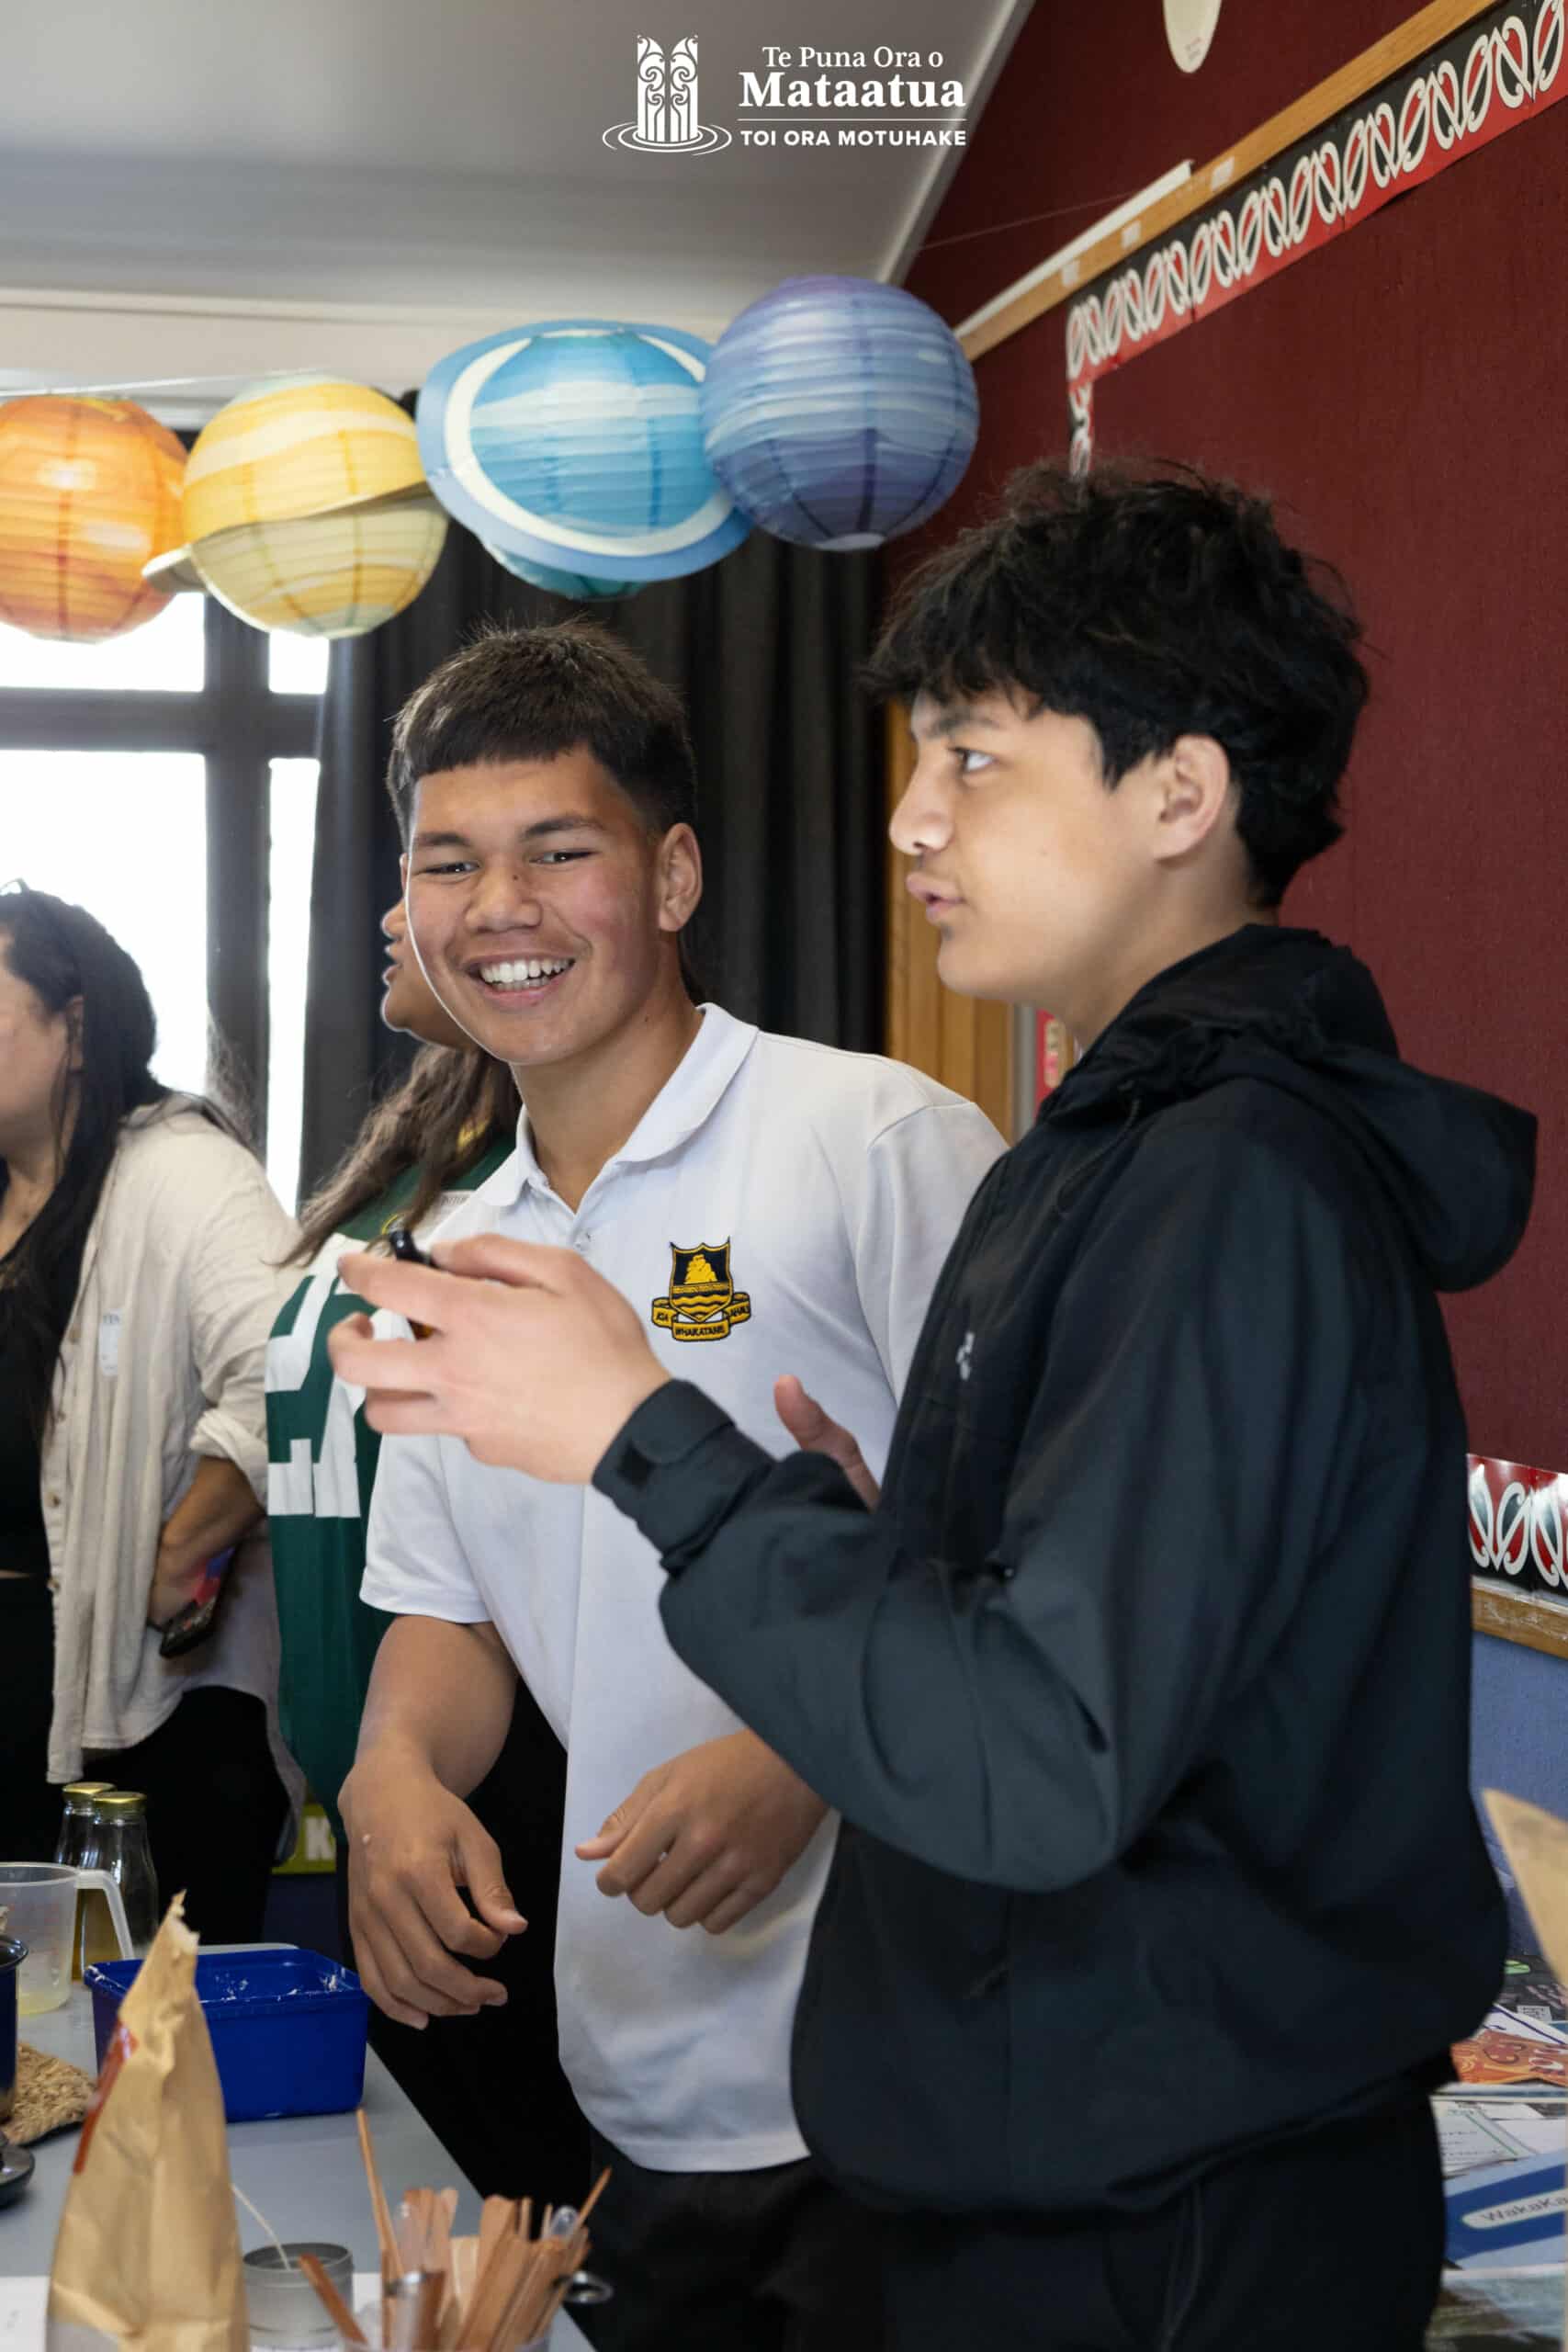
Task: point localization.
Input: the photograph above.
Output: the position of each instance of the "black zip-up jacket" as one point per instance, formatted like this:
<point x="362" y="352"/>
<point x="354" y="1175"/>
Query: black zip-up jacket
<point x="1144" y="1691"/>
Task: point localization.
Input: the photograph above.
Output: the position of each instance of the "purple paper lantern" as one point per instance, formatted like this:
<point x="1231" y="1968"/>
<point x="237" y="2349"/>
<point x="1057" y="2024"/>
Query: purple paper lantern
<point x="839" y="413"/>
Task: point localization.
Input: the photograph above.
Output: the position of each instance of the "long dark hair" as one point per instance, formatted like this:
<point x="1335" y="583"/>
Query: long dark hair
<point x="63" y="953"/>
<point x="449" y="1111"/>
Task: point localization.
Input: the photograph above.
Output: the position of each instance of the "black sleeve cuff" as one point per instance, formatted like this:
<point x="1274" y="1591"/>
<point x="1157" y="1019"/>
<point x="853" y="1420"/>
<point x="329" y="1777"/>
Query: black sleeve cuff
<point x="677" y="1468"/>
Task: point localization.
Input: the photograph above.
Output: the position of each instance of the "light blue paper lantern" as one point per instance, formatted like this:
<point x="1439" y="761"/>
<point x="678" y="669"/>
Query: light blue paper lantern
<point x="839" y="413"/>
<point x="577" y="446"/>
<point x="575" y="584"/>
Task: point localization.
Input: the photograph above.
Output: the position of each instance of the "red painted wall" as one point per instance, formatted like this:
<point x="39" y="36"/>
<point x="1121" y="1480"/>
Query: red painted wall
<point x="1402" y="395"/>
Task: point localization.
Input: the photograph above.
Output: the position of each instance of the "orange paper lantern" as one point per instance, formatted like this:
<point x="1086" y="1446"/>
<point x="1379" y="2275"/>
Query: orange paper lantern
<point x="89" y="493"/>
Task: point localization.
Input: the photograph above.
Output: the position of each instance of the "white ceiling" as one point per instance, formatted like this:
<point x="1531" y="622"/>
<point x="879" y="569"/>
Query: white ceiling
<point x="199" y="188"/>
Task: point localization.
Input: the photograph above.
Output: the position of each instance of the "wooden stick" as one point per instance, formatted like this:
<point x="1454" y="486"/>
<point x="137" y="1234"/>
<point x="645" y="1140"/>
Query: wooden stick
<point x="338" y="2311"/>
<point x="493" y="2297"/>
<point x="438" y="2233"/>
<point x="594" y="2194"/>
<point x="463" y="2268"/>
<point x="498" y="2219"/>
<point x="523" y="2319"/>
<point x="462" y="2261"/>
<point x="429" y="2294"/>
<point x="407" y="2229"/>
<point x="385" y="2238"/>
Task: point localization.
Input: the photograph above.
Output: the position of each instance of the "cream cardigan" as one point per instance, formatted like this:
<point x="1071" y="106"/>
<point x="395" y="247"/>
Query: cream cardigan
<point x="162" y="1361"/>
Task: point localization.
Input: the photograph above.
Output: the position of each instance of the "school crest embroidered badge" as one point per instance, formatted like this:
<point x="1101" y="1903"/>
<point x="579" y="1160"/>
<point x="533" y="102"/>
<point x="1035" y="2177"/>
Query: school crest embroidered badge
<point x="703" y="1302"/>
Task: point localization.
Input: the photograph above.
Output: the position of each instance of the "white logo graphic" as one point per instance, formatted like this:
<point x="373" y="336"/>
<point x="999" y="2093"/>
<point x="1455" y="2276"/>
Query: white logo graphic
<point x="965" y="1356"/>
<point x="667" y="121"/>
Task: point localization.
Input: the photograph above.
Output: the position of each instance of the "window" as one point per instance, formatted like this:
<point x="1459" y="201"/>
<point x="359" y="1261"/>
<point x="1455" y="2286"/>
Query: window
<point x="124" y="834"/>
<point x="291" y="803"/>
<point x="166" y="654"/>
<point x="150" y="778"/>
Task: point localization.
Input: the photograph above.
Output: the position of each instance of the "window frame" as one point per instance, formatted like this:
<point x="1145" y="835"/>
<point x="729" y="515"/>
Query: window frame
<point x="239" y="726"/>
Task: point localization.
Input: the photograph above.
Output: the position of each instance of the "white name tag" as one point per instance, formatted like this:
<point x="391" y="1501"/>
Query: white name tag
<point x="109" y="1343"/>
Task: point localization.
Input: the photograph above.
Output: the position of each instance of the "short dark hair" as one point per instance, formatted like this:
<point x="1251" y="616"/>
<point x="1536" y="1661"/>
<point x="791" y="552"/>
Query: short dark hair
<point x="1154" y="603"/>
<point x="533" y="693"/>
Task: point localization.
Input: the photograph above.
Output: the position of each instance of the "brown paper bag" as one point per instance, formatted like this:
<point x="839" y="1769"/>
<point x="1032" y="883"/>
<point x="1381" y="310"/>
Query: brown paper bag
<point x="148" y="2254"/>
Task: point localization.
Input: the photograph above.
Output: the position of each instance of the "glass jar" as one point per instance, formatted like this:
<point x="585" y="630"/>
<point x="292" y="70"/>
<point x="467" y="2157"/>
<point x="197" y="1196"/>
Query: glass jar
<point x="118" y="1844"/>
<point x="75" y="1821"/>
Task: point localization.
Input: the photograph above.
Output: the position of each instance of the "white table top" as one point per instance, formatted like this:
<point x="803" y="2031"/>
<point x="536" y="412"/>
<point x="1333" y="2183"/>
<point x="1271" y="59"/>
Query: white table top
<point x="303" y="2171"/>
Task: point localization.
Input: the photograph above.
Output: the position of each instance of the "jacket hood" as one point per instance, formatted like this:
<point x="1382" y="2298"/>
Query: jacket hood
<point x="1291" y="1009"/>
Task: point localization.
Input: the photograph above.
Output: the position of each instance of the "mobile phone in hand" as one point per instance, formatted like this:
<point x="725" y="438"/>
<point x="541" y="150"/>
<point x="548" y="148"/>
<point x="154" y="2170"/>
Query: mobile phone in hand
<point x="191" y="1625"/>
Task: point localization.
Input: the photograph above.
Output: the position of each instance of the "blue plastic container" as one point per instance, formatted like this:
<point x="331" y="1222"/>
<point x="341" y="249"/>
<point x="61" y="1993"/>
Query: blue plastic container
<point x="288" y="2027"/>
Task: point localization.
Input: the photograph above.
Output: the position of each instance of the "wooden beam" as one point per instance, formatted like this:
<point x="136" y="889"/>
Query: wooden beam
<point x="1527" y="1617"/>
<point x="1390" y="55"/>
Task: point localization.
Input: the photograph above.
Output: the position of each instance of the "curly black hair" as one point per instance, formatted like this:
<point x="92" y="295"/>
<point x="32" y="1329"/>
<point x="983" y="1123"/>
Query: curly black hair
<point x="1153" y="604"/>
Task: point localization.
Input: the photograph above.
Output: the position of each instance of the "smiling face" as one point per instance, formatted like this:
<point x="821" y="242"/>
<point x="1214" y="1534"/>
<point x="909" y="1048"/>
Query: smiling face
<point x="544" y="911"/>
<point x="1048" y="887"/>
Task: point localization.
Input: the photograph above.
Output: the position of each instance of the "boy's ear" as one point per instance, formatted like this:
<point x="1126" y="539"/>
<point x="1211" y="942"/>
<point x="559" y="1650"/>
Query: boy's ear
<point x="680" y="878"/>
<point x="1196" y="790"/>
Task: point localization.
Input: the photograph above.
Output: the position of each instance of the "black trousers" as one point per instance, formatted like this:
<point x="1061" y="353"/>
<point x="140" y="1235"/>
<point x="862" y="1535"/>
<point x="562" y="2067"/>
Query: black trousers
<point x="1334" y="2239"/>
<point x="30" y="1807"/>
<point x="215" y="1804"/>
<point x="490" y="2086"/>
<point x="773" y="2261"/>
<point x="215" y="1809"/>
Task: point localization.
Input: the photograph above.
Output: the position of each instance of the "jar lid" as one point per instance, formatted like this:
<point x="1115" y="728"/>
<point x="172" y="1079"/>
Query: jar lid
<point x="87" y="1787"/>
<point x="122" y="1800"/>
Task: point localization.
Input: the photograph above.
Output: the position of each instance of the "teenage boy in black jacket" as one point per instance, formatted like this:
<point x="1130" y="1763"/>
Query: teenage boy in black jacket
<point x="1143" y="1688"/>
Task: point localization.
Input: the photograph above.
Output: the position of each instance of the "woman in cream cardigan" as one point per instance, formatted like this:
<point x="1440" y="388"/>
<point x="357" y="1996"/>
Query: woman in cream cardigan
<point x="139" y="1250"/>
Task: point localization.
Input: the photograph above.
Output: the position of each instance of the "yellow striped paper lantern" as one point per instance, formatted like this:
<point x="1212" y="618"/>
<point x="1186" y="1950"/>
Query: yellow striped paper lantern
<point x="297" y="445"/>
<point x="336" y="575"/>
<point x="89" y="494"/>
<point x="306" y="507"/>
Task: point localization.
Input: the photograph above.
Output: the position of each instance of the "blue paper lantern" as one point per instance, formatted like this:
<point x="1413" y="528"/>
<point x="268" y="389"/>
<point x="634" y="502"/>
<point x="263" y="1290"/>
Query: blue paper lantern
<point x="575" y="584"/>
<point x="577" y="446"/>
<point x="839" y="413"/>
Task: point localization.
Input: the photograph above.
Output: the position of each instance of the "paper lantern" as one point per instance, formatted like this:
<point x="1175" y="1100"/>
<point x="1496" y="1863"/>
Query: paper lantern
<point x="89" y="493"/>
<point x="297" y="445"/>
<point x="839" y="413"/>
<point x="578" y="585"/>
<point x="577" y="446"/>
<point x="305" y="508"/>
<point x="336" y="575"/>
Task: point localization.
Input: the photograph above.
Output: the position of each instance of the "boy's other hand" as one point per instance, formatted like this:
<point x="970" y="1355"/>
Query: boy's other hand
<point x="812" y="1432"/>
<point x="412" y="1845"/>
<point x="707" y="1837"/>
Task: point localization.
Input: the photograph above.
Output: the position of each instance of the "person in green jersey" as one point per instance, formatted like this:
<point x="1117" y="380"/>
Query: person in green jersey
<point x="436" y="1137"/>
<point x="448" y="1127"/>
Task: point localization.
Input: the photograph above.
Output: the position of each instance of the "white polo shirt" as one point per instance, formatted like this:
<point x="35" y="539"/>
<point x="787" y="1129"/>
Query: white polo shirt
<point x="781" y="1208"/>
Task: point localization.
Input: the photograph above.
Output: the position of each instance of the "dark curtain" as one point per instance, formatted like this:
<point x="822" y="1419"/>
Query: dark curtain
<point x="764" y="646"/>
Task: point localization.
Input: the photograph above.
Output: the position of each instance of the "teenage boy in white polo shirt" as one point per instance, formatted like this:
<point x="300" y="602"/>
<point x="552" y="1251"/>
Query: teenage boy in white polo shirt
<point x="765" y="1205"/>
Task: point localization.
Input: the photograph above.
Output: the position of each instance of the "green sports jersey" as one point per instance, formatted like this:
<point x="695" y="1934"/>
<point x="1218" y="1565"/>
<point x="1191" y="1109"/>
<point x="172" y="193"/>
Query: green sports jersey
<point x="322" y="1466"/>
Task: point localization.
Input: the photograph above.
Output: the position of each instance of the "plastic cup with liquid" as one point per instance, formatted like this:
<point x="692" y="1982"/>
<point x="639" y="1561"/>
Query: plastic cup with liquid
<point x="41" y="1898"/>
